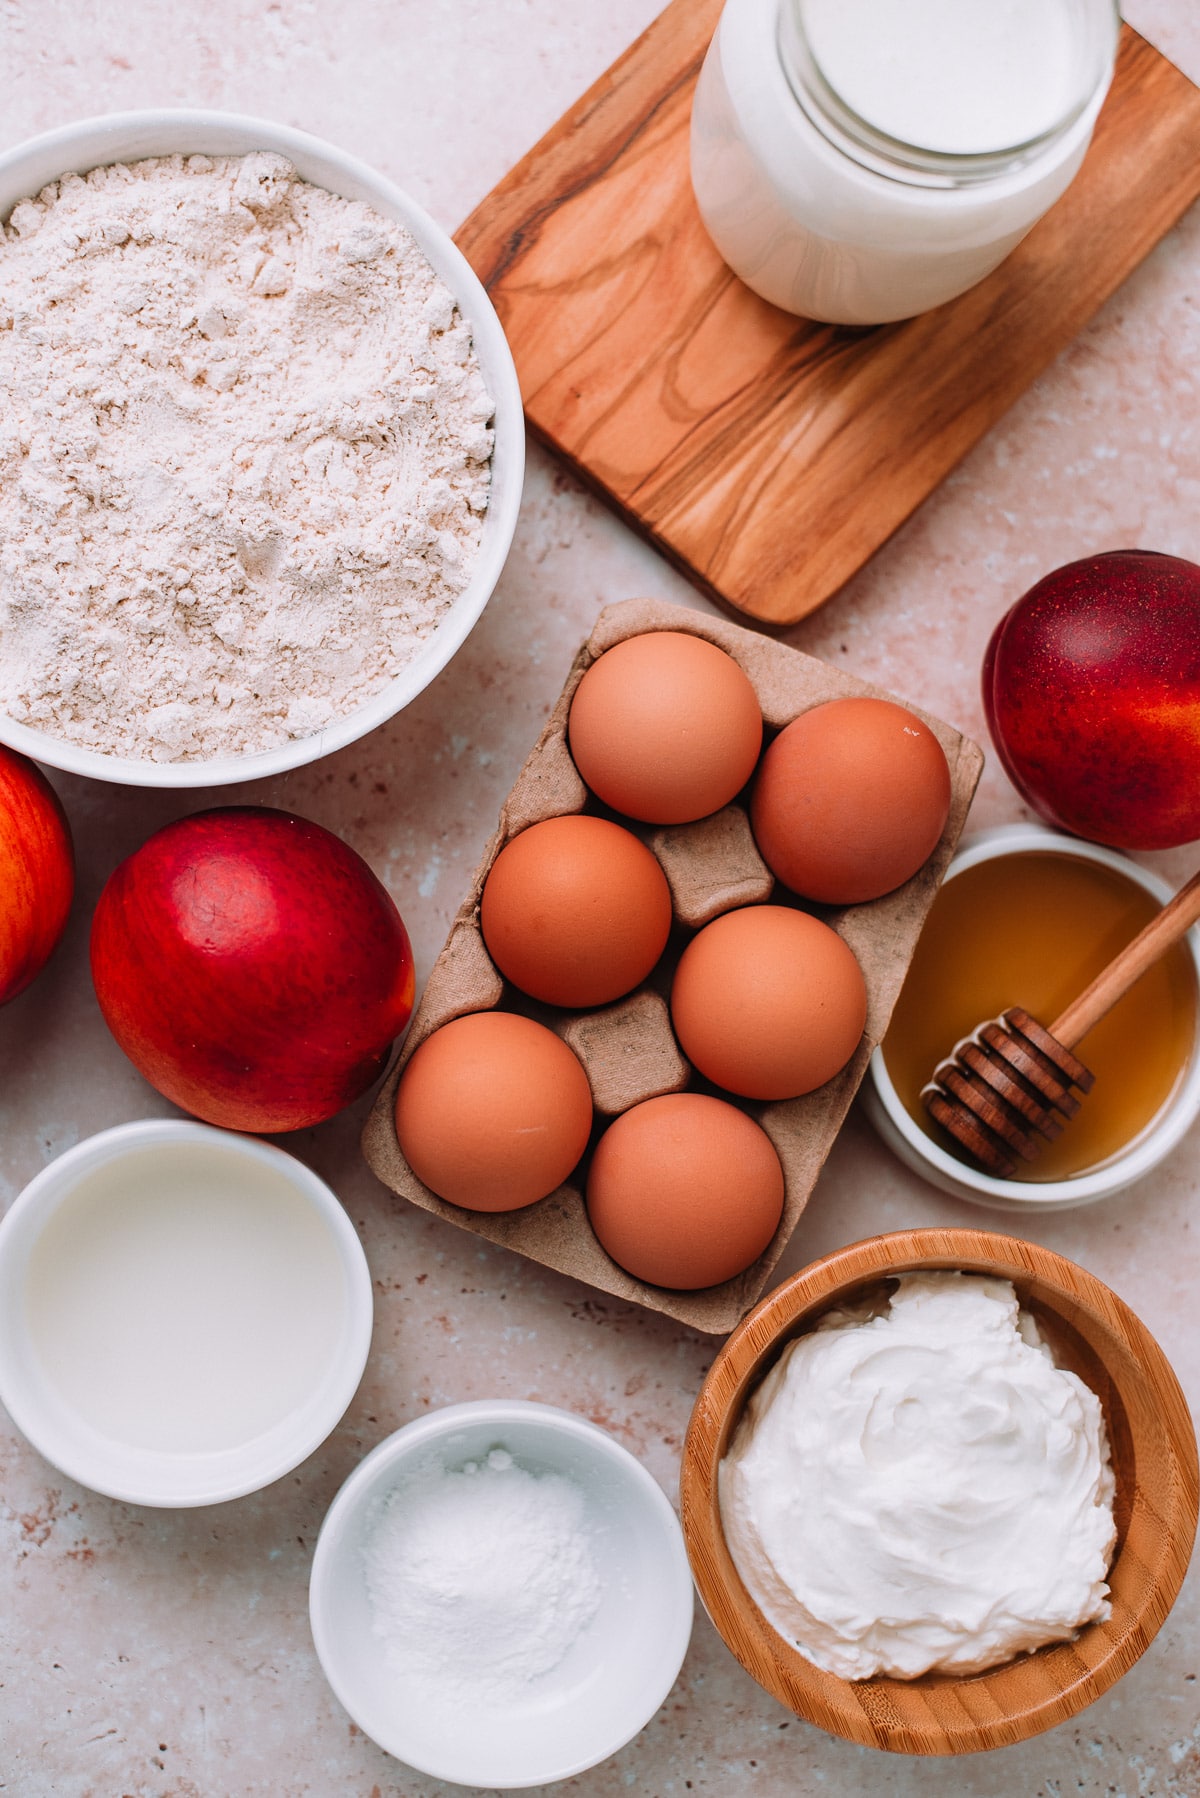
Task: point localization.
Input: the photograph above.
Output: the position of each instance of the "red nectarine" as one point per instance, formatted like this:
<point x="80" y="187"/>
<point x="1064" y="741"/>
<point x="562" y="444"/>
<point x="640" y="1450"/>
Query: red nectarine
<point x="252" y="967"/>
<point x="37" y="872"/>
<point x="1091" y="685"/>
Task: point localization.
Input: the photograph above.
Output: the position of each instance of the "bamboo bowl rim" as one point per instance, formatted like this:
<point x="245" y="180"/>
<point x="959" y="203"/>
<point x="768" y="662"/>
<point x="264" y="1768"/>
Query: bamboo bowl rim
<point x="1157" y="1493"/>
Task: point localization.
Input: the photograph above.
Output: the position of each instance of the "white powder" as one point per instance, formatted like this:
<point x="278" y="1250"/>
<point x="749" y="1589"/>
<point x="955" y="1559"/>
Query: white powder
<point x="244" y="454"/>
<point x="481" y="1578"/>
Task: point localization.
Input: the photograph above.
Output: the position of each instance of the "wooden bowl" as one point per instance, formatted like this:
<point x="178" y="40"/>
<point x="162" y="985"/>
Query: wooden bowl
<point x="1154" y="1462"/>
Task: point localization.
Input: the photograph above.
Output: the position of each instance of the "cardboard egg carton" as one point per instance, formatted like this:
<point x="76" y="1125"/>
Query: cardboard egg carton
<point x="628" y="1049"/>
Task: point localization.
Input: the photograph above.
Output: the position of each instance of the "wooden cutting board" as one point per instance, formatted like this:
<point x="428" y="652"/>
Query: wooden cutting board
<point x="765" y="455"/>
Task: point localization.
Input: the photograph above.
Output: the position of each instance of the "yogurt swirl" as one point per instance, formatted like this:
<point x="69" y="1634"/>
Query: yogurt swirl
<point x="923" y="1488"/>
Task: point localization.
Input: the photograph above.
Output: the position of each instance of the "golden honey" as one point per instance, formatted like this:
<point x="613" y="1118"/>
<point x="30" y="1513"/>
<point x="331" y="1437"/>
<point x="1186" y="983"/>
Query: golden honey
<point x="1033" y="929"/>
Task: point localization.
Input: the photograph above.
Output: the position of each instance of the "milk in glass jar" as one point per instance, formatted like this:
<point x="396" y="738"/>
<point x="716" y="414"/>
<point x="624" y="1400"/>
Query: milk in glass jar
<point x="857" y="161"/>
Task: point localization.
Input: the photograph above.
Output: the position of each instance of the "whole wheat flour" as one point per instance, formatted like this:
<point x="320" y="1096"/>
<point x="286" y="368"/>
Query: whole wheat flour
<point x="244" y="450"/>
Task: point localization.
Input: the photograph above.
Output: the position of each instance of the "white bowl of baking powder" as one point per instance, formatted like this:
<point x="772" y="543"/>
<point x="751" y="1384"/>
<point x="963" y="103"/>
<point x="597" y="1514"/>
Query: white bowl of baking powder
<point x="500" y="1594"/>
<point x="133" y="137"/>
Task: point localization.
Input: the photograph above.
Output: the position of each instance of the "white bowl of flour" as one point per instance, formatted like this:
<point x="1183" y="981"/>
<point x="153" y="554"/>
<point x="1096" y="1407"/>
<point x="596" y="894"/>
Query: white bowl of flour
<point x="261" y="448"/>
<point x="500" y="1594"/>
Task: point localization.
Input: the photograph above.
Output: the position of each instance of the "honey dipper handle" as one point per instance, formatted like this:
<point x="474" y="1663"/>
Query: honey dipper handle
<point x="1114" y="981"/>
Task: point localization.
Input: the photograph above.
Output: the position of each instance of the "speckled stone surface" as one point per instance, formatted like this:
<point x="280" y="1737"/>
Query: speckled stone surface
<point x="167" y="1655"/>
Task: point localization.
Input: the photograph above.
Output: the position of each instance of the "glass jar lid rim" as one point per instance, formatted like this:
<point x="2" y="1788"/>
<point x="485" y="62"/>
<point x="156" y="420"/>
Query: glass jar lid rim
<point x="901" y="159"/>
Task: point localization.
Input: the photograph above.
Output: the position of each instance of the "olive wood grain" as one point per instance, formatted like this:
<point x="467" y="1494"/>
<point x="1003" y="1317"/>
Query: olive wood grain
<point x="1007" y="1087"/>
<point x="765" y="455"/>
<point x="1154" y="1463"/>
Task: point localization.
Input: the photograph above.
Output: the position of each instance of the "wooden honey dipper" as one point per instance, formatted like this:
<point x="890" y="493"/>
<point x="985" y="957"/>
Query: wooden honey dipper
<point x="1009" y="1083"/>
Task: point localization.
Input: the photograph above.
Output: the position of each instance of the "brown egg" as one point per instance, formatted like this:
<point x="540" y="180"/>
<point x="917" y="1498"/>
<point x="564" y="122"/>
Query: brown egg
<point x="850" y="800"/>
<point x="575" y="911"/>
<point x="665" y="727"/>
<point x="493" y="1111"/>
<point x="768" y="1002"/>
<point x="684" y="1191"/>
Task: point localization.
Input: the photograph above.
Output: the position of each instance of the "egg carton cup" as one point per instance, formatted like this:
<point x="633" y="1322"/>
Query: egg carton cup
<point x="628" y="1049"/>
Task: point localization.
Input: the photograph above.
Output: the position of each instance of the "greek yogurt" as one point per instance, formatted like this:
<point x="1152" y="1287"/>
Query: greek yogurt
<point x="922" y="1488"/>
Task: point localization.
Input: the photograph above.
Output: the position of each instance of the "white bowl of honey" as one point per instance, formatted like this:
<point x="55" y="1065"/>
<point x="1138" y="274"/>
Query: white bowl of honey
<point x="1027" y="917"/>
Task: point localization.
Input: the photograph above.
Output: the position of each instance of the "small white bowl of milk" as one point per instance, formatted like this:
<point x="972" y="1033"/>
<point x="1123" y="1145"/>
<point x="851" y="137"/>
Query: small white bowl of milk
<point x="185" y="1313"/>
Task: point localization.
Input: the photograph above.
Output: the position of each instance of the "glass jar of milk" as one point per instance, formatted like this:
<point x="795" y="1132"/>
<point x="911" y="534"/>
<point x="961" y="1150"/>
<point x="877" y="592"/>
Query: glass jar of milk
<point x="863" y="160"/>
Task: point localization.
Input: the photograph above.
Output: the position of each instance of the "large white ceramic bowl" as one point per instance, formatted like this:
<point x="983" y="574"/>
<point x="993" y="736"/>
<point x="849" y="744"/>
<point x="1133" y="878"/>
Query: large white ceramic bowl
<point x="935" y="1164"/>
<point x="612" y="1679"/>
<point x="185" y="1313"/>
<point x="129" y="136"/>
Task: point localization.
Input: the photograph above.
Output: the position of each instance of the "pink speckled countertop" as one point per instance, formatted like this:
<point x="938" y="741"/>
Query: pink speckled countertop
<point x="167" y="1655"/>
